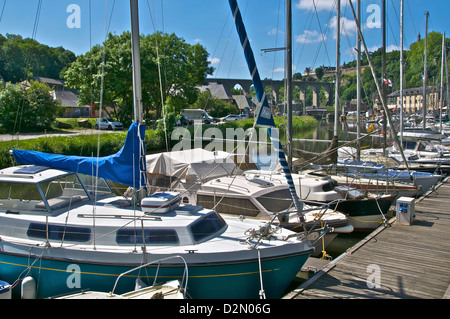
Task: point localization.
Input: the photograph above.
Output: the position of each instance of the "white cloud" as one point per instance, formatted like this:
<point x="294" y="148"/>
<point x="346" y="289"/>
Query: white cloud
<point x="309" y="37"/>
<point x="320" y="5"/>
<point x="393" y="47"/>
<point x="348" y="27"/>
<point x="214" y="60"/>
<point x="274" y="31"/>
<point x="389" y="48"/>
<point x="327" y="5"/>
<point x="282" y="69"/>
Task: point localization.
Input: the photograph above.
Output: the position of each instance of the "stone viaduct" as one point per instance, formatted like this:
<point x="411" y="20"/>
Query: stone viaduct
<point x="277" y="85"/>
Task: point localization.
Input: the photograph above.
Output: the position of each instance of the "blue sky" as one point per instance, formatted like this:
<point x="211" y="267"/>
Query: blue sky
<point x="209" y="23"/>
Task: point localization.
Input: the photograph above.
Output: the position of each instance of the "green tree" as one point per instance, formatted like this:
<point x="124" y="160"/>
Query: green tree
<point x="213" y="106"/>
<point x="414" y="61"/>
<point x="182" y="67"/>
<point x="297" y="76"/>
<point x="21" y="59"/>
<point x="320" y="72"/>
<point x="27" y="110"/>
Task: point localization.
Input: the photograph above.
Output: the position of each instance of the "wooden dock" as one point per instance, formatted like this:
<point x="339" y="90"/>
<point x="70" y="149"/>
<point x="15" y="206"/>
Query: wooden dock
<point x="396" y="261"/>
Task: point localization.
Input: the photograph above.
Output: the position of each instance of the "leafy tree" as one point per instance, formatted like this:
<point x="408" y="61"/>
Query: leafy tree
<point x="297" y="76"/>
<point x="27" y="110"/>
<point x="414" y="61"/>
<point x="21" y="59"/>
<point x="214" y="106"/>
<point x="320" y="72"/>
<point x="182" y="67"/>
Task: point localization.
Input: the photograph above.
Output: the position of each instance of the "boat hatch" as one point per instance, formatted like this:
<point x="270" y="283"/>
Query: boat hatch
<point x="30" y="170"/>
<point x="261" y="182"/>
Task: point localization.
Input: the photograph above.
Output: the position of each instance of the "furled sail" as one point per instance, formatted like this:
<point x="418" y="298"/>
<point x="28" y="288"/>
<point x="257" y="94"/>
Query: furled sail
<point x="263" y="114"/>
<point x="127" y="166"/>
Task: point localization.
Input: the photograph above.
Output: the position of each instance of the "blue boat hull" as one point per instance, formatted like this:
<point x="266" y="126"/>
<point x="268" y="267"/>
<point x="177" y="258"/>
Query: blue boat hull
<point x="234" y="280"/>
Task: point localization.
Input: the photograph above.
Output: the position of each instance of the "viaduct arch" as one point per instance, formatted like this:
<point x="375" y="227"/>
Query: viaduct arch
<point x="276" y="85"/>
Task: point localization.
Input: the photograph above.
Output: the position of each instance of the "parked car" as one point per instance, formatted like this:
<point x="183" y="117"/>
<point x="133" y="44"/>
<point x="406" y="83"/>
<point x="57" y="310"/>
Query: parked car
<point x="198" y="115"/>
<point x="230" y="117"/>
<point x="108" y="123"/>
<point x="243" y="116"/>
<point x="184" y="120"/>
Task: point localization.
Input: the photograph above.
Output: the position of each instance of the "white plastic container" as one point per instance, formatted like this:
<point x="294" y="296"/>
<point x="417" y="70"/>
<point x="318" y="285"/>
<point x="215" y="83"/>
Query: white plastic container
<point x="161" y="203"/>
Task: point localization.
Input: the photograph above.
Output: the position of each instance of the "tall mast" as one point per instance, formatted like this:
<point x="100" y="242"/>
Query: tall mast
<point x="136" y="62"/>
<point x="383" y="86"/>
<point x="137" y="99"/>
<point x="425" y="75"/>
<point x="289" y="79"/>
<point x="336" y="89"/>
<point x="358" y="83"/>
<point x="401" y="72"/>
<point x="441" y="91"/>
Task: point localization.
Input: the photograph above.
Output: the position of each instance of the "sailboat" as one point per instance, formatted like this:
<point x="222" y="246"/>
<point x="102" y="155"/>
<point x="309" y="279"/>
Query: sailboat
<point x="63" y="229"/>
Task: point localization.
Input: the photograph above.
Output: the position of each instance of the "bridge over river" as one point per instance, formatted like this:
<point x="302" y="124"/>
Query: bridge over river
<point x="276" y="85"/>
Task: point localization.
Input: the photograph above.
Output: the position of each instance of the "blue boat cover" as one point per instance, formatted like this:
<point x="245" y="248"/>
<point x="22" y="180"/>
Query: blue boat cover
<point x="127" y="166"/>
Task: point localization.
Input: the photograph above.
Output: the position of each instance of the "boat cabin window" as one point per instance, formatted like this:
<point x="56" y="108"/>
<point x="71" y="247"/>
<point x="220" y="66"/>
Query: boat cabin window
<point x="59" y="232"/>
<point x="93" y="183"/>
<point x="16" y="197"/>
<point x="409" y="145"/>
<point x="63" y="191"/>
<point x="276" y="201"/>
<point x="152" y="236"/>
<point x="227" y="205"/>
<point x="208" y="225"/>
<point x="328" y="187"/>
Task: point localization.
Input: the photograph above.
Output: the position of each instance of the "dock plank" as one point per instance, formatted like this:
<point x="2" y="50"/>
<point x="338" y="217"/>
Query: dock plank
<point x="413" y="260"/>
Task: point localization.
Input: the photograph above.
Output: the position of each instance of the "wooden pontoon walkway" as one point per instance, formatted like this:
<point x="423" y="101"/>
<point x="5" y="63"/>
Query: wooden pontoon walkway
<point x="413" y="260"/>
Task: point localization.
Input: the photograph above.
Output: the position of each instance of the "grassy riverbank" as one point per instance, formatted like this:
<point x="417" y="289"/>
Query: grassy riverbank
<point x="86" y="145"/>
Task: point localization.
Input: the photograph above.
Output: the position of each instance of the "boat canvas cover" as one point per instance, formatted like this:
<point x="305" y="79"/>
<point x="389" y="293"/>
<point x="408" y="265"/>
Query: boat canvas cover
<point x="122" y="167"/>
<point x="193" y="165"/>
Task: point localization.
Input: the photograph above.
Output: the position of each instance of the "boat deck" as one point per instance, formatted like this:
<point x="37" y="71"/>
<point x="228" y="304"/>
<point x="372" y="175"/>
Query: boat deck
<point x="394" y="262"/>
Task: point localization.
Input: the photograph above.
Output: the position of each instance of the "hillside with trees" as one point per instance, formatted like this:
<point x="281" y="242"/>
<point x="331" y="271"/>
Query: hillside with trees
<point x="413" y="68"/>
<point x="21" y="59"/>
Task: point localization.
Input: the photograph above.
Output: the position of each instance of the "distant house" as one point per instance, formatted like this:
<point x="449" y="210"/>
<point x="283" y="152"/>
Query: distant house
<point x="57" y="85"/>
<point x="218" y="90"/>
<point x="242" y="103"/>
<point x="413" y="97"/>
<point x="67" y="97"/>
